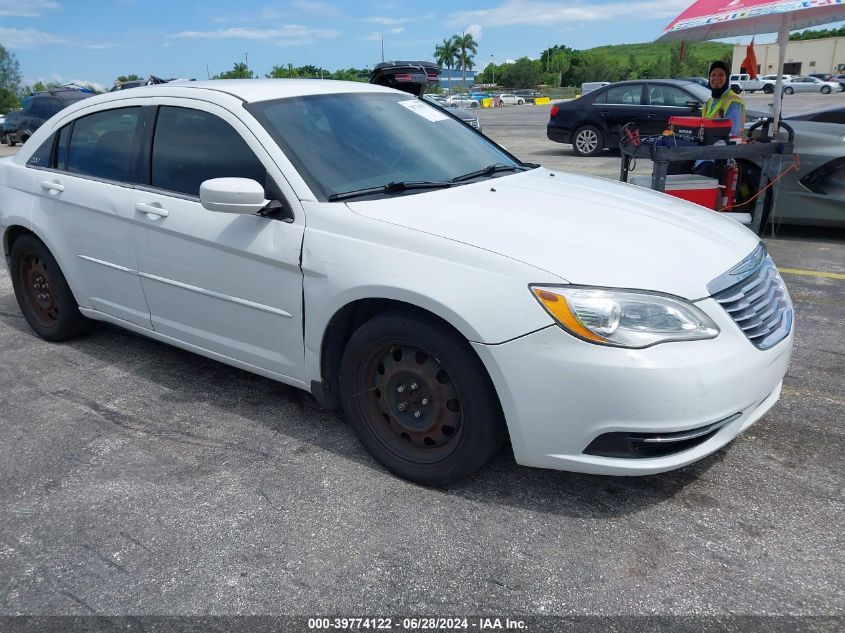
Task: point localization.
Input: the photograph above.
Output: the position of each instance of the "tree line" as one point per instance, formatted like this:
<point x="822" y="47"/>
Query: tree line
<point x="561" y="65"/>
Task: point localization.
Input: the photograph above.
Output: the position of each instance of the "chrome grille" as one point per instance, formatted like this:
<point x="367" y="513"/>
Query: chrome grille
<point x="755" y="297"/>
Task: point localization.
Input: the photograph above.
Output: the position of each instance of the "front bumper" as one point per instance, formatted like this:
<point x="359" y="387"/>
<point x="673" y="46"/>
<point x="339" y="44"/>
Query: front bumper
<point x="559" y="394"/>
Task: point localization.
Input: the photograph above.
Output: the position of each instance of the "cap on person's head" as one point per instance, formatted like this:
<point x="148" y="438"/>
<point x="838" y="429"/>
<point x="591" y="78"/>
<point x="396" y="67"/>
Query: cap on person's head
<point x="719" y="64"/>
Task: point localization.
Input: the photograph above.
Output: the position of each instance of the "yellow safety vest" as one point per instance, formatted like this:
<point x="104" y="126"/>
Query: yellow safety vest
<point x="717" y="108"/>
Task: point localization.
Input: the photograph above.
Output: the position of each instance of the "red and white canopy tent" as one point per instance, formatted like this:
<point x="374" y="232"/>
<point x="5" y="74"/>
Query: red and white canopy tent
<point x="715" y="19"/>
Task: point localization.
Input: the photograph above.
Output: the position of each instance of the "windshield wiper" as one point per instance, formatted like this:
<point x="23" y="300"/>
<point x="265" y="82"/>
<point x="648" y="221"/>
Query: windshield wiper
<point x="390" y="187"/>
<point x="488" y="171"/>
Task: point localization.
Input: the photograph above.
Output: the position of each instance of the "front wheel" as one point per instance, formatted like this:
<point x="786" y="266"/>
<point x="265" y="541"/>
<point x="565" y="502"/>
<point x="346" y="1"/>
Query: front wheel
<point x="588" y="141"/>
<point x="825" y="90"/>
<point x="43" y="294"/>
<point x="788" y="91"/>
<point x="419" y="399"/>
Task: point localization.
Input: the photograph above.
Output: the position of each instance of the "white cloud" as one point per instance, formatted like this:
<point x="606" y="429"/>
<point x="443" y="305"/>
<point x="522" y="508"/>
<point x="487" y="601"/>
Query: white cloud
<point x="385" y="21"/>
<point x="33" y="38"/>
<point x="287" y="35"/>
<point x="26" y="9"/>
<point x="375" y="36"/>
<point x="475" y="31"/>
<point x="540" y="13"/>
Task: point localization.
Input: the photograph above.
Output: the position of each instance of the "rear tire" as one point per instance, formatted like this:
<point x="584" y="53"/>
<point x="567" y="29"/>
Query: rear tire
<point x="419" y="399"/>
<point x="588" y="140"/>
<point x="736" y="89"/>
<point x="768" y="90"/>
<point x="788" y="91"/>
<point x="43" y="294"/>
<point x="825" y="90"/>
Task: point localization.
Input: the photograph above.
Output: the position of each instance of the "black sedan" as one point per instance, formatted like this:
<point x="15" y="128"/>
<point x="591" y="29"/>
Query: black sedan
<point x="593" y="121"/>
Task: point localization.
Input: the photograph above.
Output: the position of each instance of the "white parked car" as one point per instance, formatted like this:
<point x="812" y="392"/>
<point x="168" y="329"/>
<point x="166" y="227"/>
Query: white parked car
<point x="810" y="84"/>
<point x="358" y="243"/>
<point x="744" y="83"/>
<point x="462" y="101"/>
<point x="508" y="98"/>
<point x="770" y="80"/>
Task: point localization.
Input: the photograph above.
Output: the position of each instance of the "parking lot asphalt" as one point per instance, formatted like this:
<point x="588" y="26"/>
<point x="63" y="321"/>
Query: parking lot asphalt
<point x="141" y="479"/>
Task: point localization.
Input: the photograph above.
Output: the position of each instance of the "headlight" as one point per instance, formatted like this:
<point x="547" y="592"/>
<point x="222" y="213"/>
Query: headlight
<point x="624" y="318"/>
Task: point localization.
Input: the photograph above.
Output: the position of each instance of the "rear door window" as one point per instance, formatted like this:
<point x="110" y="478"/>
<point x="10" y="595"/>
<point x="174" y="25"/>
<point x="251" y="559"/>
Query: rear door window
<point x="105" y="145"/>
<point x="191" y="146"/>
<point x="624" y="95"/>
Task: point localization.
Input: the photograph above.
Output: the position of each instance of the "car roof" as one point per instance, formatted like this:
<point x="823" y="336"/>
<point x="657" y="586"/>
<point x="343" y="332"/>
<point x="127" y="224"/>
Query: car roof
<point x="246" y="90"/>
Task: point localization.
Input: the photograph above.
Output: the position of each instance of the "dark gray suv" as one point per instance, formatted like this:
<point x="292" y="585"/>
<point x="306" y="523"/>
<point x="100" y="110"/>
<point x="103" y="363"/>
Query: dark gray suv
<point x="42" y="105"/>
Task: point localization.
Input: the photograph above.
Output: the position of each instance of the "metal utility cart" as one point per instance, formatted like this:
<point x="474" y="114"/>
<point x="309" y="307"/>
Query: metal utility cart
<point x="760" y="151"/>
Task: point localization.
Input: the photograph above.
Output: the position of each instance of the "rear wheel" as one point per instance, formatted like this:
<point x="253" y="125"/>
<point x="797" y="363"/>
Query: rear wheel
<point x="768" y="89"/>
<point x="42" y="292"/>
<point x="419" y="399"/>
<point x="588" y="141"/>
<point x="736" y="89"/>
<point x="825" y="90"/>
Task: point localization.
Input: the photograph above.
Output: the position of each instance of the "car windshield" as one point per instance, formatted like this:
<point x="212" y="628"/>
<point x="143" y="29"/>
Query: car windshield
<point x="348" y="142"/>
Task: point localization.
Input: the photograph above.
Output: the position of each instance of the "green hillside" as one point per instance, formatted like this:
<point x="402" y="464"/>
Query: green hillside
<point x="651" y="52"/>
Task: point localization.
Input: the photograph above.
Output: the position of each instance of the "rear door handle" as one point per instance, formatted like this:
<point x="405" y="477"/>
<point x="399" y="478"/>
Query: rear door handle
<point x="49" y="185"/>
<point x="153" y="211"/>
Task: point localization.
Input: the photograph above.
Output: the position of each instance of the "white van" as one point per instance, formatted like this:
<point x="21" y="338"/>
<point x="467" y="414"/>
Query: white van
<point x="593" y="85"/>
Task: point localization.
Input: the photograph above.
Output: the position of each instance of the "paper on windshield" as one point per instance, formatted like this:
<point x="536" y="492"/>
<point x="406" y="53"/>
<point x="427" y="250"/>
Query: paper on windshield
<point x="424" y="110"/>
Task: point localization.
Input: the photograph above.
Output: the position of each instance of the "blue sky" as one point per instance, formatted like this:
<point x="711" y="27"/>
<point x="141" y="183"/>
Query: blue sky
<point x="88" y="41"/>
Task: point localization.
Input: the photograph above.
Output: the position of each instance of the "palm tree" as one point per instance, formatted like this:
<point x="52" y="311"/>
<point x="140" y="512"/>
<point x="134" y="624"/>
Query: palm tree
<point x="467" y="48"/>
<point x="446" y="54"/>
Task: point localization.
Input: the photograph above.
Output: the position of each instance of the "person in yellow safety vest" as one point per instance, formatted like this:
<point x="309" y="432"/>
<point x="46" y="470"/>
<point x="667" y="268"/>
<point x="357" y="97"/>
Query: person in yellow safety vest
<point x="724" y="103"/>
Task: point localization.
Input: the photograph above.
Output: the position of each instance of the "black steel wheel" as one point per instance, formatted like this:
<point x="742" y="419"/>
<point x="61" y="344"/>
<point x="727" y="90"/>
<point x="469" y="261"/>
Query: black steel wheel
<point x="588" y="140"/>
<point x="42" y="292"/>
<point x="419" y="399"/>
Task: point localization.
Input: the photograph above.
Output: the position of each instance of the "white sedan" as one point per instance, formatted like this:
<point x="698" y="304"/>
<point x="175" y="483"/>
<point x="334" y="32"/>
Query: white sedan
<point x="508" y="98"/>
<point x="811" y="84"/>
<point x="362" y="245"/>
<point x="462" y="101"/>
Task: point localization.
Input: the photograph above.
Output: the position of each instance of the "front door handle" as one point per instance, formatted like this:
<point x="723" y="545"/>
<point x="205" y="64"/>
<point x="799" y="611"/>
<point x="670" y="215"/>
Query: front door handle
<point x="50" y="185"/>
<point x="153" y="211"/>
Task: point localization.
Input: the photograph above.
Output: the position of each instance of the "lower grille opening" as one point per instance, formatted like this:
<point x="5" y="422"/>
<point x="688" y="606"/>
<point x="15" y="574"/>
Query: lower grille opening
<point x="644" y="445"/>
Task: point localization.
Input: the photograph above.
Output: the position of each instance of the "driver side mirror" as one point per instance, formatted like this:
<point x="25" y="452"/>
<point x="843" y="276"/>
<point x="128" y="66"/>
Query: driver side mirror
<point x="232" y="195"/>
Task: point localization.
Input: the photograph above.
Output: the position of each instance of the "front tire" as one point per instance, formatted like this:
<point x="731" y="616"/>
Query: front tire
<point x="419" y="399"/>
<point x="43" y="294"/>
<point x="588" y="140"/>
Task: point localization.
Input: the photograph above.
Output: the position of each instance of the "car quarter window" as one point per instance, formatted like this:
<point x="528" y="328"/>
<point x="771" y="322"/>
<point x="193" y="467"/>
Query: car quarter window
<point x="41" y="156"/>
<point x="104" y="145"/>
<point x="191" y="146"/>
<point x="627" y="95"/>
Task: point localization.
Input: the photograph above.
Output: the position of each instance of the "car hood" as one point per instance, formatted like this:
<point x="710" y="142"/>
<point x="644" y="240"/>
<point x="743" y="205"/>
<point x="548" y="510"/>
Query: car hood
<point x="581" y="229"/>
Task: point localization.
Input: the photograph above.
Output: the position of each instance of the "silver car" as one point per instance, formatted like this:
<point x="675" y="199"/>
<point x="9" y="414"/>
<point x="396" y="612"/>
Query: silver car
<point x="815" y="195"/>
<point x="810" y="84"/>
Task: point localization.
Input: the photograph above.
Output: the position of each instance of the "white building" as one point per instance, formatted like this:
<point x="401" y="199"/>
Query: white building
<point x="803" y="57"/>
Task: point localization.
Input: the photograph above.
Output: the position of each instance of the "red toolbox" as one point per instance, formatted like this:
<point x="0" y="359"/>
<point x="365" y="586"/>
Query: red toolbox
<point x="701" y="130"/>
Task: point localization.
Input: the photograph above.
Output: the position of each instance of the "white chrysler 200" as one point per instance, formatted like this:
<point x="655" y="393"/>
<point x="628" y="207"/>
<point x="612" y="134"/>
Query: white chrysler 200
<point x="368" y="247"/>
